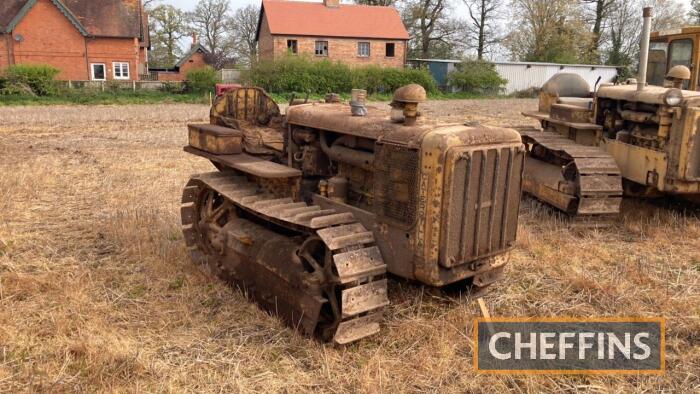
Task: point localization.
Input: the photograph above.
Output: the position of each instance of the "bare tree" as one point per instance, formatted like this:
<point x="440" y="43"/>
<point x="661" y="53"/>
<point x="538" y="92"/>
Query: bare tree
<point x="147" y="4"/>
<point x="433" y="33"/>
<point x="600" y="9"/>
<point x="210" y="19"/>
<point x="694" y="15"/>
<point x="668" y="14"/>
<point x="480" y="27"/>
<point x="243" y="26"/>
<point x="625" y="24"/>
<point x="167" y="28"/>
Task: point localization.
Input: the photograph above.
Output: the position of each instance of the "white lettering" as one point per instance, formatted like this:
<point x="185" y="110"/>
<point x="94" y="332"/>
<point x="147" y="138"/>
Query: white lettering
<point x="638" y="342"/>
<point x="519" y="345"/>
<point x="545" y="345"/>
<point x="563" y="344"/>
<point x="614" y="342"/>
<point x="583" y="344"/>
<point x="492" y="346"/>
<point x="601" y="346"/>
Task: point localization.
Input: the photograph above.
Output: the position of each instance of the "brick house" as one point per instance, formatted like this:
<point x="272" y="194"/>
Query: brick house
<point x="84" y="39"/>
<point x="353" y="34"/>
<point x="196" y="57"/>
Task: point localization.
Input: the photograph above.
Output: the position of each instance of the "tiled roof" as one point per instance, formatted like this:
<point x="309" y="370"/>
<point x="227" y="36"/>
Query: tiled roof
<point x="316" y="19"/>
<point x="104" y="18"/>
<point x="8" y="10"/>
<point x="196" y="48"/>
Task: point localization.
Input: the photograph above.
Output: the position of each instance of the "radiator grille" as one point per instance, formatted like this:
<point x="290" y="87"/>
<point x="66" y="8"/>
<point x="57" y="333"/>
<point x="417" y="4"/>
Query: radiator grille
<point x="694" y="159"/>
<point x="395" y="182"/>
<point x="482" y="199"/>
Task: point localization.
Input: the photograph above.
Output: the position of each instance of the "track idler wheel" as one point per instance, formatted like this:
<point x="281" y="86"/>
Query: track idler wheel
<point x="317" y="259"/>
<point x="204" y="213"/>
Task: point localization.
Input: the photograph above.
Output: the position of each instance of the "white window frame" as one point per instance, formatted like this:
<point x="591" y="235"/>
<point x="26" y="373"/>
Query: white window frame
<point x="92" y="71"/>
<point x="316" y="50"/>
<point x="360" y="53"/>
<point x="121" y="70"/>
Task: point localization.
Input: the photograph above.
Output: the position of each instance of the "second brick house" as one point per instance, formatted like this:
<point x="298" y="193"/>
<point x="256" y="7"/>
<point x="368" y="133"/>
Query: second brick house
<point x="84" y="39"/>
<point x="353" y="34"/>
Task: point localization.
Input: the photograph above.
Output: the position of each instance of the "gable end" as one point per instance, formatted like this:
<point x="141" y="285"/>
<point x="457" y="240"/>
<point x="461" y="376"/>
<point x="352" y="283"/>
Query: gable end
<point x="65" y="11"/>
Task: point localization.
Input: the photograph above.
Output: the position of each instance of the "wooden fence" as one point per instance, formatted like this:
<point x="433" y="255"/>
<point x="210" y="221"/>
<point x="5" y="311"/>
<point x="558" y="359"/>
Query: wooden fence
<point x="123" y="85"/>
<point x="230" y="75"/>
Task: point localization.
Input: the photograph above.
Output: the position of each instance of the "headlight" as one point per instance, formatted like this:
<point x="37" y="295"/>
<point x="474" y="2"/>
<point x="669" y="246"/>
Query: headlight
<point x="673" y="97"/>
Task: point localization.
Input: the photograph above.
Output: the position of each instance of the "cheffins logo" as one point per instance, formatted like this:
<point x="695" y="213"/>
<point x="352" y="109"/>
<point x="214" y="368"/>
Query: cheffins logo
<point x="568" y="345"/>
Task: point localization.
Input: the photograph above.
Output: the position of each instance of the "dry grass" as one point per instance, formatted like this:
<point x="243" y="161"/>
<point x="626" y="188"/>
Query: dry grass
<point x="97" y="294"/>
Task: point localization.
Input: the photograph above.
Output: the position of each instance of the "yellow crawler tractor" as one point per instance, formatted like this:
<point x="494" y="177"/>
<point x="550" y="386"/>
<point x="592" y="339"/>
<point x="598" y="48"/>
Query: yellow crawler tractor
<point x="631" y="139"/>
<point x="308" y="211"/>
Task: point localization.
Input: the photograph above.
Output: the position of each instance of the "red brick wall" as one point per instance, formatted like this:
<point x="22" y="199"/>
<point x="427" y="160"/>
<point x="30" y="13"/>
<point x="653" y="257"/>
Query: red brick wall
<point x="143" y="60"/>
<point x="196" y="61"/>
<point x="4" y="54"/>
<point x="345" y="50"/>
<point x="110" y="50"/>
<point x="266" y="44"/>
<point x="50" y="38"/>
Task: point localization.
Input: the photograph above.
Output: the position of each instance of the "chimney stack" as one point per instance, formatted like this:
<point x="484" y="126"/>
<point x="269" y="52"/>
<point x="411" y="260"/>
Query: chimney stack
<point x="331" y="3"/>
<point x="194" y="39"/>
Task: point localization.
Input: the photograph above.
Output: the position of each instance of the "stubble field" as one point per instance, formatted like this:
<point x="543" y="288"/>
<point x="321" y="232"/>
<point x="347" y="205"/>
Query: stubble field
<point x="97" y="293"/>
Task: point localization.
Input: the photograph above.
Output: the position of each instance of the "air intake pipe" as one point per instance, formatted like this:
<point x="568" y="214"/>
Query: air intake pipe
<point x="644" y="49"/>
<point x="338" y="152"/>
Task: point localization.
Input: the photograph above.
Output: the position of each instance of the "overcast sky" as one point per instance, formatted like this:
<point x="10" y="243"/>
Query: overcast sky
<point x="189" y="4"/>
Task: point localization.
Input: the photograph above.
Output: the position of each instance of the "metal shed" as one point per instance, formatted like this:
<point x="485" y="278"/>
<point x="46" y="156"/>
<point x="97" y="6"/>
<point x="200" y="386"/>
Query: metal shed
<point x="522" y="75"/>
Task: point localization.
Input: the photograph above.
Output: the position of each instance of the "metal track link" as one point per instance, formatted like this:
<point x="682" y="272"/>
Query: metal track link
<point x="358" y="263"/>
<point x="599" y="181"/>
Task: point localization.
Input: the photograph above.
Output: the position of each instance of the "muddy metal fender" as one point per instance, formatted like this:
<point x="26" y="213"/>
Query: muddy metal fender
<point x="469" y="194"/>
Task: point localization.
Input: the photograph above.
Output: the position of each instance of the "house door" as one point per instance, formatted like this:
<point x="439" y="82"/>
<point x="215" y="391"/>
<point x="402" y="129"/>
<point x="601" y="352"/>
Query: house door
<point x="99" y="72"/>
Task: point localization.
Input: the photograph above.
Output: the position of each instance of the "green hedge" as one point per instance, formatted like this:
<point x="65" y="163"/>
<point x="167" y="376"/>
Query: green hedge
<point x="41" y="79"/>
<point x="476" y="76"/>
<point x="200" y="80"/>
<point x="305" y="75"/>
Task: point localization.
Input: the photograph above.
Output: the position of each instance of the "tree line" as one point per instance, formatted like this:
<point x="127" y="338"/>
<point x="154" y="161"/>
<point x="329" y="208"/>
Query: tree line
<point x="227" y="34"/>
<point x="558" y="31"/>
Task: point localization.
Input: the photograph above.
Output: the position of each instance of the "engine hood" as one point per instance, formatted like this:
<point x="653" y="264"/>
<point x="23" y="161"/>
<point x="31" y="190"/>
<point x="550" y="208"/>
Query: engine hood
<point x="650" y="94"/>
<point x="377" y="126"/>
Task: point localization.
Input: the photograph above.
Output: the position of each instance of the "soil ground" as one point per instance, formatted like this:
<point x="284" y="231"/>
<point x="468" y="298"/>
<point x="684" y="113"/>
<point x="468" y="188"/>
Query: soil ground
<point x="97" y="292"/>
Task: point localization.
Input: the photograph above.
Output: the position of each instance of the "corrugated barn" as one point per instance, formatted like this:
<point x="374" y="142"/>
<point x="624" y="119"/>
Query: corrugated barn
<point x="522" y="75"/>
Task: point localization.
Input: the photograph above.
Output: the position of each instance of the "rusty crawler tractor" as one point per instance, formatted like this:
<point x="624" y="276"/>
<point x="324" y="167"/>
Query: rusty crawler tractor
<point x="632" y="138"/>
<point x="309" y="211"/>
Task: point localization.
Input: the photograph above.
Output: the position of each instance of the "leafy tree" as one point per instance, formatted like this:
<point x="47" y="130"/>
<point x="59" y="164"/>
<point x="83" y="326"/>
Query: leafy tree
<point x="201" y="80"/>
<point x="548" y="31"/>
<point x="167" y="28"/>
<point x="433" y="33"/>
<point x="476" y="76"/>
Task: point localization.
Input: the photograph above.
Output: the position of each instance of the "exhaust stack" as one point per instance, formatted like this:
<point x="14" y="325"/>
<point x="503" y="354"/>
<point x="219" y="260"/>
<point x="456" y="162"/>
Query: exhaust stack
<point x="644" y="49"/>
